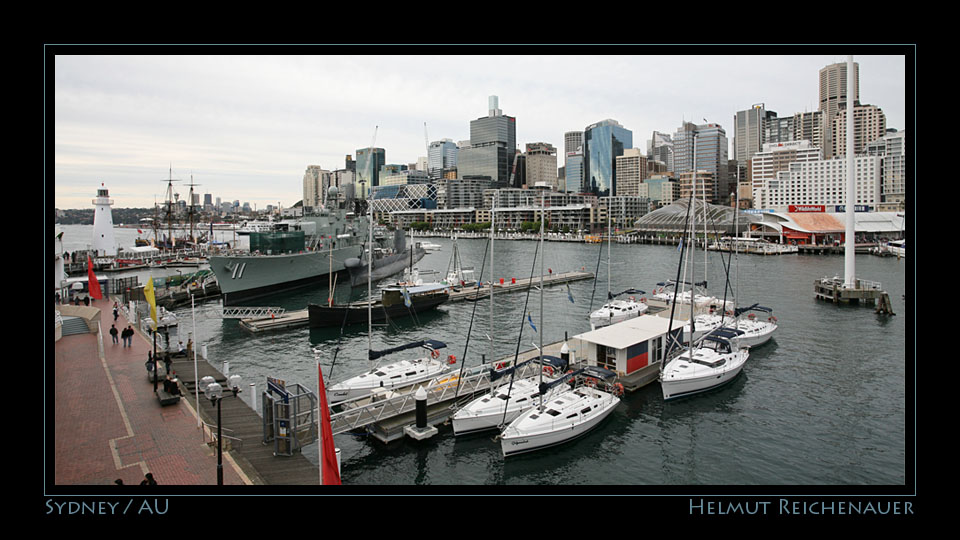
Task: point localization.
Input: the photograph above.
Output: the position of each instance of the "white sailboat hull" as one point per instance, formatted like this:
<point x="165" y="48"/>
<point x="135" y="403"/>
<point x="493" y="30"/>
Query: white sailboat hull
<point x="491" y="410"/>
<point x="391" y="377"/>
<point x="582" y="410"/>
<point x="681" y="378"/>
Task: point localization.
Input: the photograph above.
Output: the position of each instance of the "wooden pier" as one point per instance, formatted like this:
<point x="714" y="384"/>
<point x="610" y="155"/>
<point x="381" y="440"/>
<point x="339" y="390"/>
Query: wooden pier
<point x="864" y="291"/>
<point x="242" y="429"/>
<point x="296" y="319"/>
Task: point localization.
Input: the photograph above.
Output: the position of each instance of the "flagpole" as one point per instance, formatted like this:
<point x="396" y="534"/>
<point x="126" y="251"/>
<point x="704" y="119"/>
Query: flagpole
<point x="196" y="344"/>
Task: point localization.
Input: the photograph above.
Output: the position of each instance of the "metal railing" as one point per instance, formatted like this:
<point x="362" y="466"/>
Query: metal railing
<point x="361" y="412"/>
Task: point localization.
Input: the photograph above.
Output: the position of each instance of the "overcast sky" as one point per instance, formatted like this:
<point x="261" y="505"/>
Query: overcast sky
<point x="247" y="127"/>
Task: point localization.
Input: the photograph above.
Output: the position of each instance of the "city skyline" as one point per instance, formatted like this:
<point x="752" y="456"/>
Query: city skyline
<point x="247" y="127"/>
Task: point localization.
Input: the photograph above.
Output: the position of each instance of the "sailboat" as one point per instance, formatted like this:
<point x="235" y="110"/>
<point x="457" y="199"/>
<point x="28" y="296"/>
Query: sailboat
<point x="506" y="401"/>
<point x="563" y="413"/>
<point x="398" y="374"/>
<point x="706" y="364"/>
<point x="617" y="309"/>
<point x="458" y="276"/>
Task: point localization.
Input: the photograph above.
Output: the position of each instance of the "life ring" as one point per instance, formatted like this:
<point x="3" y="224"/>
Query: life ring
<point x="751" y="316"/>
<point x="435" y="354"/>
<point x="548" y="370"/>
<point x="632" y="299"/>
<point x="451" y="359"/>
<point x="618" y="389"/>
<point x="728" y="313"/>
<point x="499" y="365"/>
<point x="772" y="319"/>
<point x="643" y="299"/>
<point x="590" y="381"/>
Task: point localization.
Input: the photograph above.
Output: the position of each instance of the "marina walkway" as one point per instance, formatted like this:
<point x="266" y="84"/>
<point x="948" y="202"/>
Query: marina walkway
<point x="109" y="424"/>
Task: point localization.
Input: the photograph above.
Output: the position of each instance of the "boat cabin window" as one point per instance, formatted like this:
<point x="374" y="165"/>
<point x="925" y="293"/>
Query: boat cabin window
<point x="553" y="412"/>
<point x="607" y="357"/>
<point x="713" y="364"/>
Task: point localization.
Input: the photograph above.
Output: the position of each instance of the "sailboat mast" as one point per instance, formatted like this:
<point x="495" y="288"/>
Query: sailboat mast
<point x="493" y="228"/>
<point x="693" y="247"/>
<point x="609" y="241"/>
<point x="369" y="278"/>
<point x="542" y="329"/>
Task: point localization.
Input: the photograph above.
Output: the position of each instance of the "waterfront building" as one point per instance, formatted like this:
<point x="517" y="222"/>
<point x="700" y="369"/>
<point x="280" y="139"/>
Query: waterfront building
<point x="492" y="148"/>
<point x="809" y="126"/>
<point x="775" y="158"/>
<point x="602" y="143"/>
<point x="833" y="94"/>
<point x="824" y="183"/>
<point x="465" y="192"/>
<point x="369" y="162"/>
<point x="404" y="175"/>
<point x="631" y="171"/>
<point x="623" y="210"/>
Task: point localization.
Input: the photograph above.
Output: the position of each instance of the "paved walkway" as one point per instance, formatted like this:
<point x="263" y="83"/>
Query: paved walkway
<point x="110" y="425"/>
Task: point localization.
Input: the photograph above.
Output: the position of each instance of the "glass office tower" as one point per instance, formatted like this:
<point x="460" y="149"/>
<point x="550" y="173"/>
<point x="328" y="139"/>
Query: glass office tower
<point x="603" y="142"/>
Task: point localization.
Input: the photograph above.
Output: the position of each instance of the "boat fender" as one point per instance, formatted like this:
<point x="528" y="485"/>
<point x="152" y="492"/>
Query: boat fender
<point x="435" y="354"/>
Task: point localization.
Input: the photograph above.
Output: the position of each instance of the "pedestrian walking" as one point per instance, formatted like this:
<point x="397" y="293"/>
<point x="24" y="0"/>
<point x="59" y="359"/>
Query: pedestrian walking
<point x="116" y="312"/>
<point x="113" y="333"/>
<point x="148" y="480"/>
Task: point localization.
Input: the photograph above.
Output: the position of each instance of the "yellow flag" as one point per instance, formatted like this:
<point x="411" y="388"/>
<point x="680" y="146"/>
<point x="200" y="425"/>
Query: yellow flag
<point x="148" y="293"/>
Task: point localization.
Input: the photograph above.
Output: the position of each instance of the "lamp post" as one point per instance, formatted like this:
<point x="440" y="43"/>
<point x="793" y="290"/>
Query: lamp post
<point x="214" y="393"/>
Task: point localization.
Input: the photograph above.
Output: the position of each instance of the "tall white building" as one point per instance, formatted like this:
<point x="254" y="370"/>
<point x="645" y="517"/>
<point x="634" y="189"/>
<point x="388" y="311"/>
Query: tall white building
<point x="774" y="159"/>
<point x="824" y="183"/>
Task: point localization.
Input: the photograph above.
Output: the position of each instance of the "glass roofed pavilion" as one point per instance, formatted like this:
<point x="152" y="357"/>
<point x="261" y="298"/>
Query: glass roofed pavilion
<point x="674" y="218"/>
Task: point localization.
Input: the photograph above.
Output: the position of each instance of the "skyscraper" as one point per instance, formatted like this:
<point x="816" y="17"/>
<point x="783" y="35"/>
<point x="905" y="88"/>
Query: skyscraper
<point x="833" y="92"/>
<point x="492" y="149"/>
<point x="541" y="165"/>
<point x="369" y="162"/>
<point x="602" y="143"/>
<point x="710" y="141"/>
<point x="441" y="155"/>
<point x="749" y="132"/>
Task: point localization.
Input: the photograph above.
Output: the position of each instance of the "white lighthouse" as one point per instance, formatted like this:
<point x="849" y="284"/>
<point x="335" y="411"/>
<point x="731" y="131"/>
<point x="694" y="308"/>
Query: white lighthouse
<point x="103" y="240"/>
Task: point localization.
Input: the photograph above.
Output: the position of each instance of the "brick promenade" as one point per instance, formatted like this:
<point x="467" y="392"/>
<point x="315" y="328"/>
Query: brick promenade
<point x="110" y="425"/>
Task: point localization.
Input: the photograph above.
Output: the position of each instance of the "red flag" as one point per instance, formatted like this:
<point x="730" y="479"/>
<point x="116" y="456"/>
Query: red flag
<point x="94" y="285"/>
<point x="329" y="472"/>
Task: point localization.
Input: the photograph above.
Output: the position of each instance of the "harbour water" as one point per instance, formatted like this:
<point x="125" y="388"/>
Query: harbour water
<point x="828" y="402"/>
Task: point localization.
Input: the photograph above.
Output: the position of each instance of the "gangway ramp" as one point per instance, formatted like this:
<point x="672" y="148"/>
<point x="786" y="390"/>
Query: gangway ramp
<point x="386" y="410"/>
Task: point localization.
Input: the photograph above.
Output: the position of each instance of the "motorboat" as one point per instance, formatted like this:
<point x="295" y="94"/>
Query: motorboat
<point x="712" y="363"/>
<point x="565" y="415"/>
